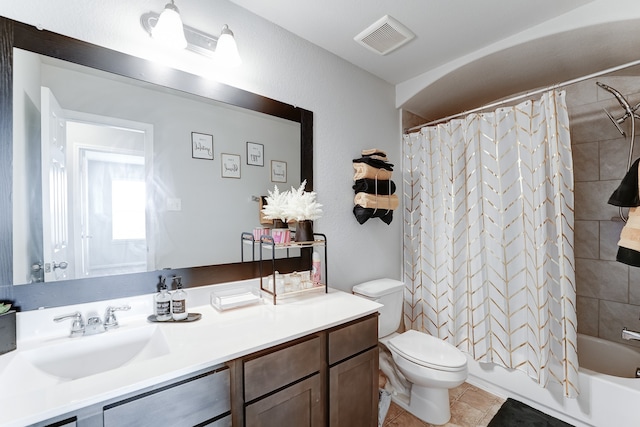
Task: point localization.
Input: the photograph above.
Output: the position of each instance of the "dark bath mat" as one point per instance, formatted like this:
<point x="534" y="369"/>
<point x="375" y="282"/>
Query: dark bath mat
<point x="516" y="414"/>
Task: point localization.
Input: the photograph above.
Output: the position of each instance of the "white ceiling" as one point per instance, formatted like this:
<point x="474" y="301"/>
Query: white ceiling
<point x="447" y="30"/>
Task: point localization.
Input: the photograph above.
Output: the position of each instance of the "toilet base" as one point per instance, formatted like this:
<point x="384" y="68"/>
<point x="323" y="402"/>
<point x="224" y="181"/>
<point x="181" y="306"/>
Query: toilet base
<point x="431" y="405"/>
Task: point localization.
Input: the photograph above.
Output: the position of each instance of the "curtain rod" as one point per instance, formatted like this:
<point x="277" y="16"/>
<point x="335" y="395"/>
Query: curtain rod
<point x="527" y="94"/>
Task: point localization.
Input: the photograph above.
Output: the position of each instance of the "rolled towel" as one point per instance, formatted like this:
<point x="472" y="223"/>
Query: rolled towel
<point x="363" y="214"/>
<point x="363" y="170"/>
<point x="373" y="151"/>
<point x="626" y="195"/>
<point x="630" y="234"/>
<point x="376" y="163"/>
<point x="376" y="202"/>
<point x="628" y="256"/>
<point x="629" y="243"/>
<point x="373" y="186"/>
<point x="382" y="158"/>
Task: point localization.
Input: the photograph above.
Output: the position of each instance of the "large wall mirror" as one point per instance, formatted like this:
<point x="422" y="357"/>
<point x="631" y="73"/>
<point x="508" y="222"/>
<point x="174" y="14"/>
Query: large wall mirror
<point x="117" y="171"/>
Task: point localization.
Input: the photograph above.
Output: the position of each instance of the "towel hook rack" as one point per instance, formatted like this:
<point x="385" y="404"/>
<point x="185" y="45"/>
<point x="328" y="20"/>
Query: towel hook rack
<point x="629" y="112"/>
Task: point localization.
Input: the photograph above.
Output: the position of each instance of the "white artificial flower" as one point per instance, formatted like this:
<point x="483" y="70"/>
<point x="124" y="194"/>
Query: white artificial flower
<point x="302" y="205"/>
<point x="276" y="204"/>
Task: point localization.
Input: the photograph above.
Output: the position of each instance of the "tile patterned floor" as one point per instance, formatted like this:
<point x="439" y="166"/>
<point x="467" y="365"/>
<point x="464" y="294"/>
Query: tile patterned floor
<point x="470" y="407"/>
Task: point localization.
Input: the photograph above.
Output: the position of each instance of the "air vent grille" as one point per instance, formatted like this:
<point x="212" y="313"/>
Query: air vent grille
<point x="385" y="35"/>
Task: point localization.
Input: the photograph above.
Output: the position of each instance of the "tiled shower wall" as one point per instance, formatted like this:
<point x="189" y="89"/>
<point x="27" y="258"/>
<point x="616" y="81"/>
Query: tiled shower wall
<point x="608" y="291"/>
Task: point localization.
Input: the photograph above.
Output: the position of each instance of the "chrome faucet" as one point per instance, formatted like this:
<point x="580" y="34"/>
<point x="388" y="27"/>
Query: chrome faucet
<point x="77" y="327"/>
<point x="94" y="324"/>
<point x="110" y="321"/>
<point x="630" y="335"/>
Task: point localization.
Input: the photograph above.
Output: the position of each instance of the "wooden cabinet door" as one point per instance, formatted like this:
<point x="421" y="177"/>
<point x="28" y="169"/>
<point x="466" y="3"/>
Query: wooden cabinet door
<point x="299" y="405"/>
<point x="353" y="391"/>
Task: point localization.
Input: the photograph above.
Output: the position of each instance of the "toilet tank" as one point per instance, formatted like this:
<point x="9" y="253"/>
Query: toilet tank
<point x="387" y="292"/>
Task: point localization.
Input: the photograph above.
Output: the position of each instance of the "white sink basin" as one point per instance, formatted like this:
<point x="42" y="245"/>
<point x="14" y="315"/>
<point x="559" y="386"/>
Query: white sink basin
<point x="73" y="358"/>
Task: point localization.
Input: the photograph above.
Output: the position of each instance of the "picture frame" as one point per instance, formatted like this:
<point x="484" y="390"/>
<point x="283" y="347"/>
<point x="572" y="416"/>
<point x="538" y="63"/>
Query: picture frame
<point x="255" y="154"/>
<point x="230" y="165"/>
<point x="278" y="171"/>
<point x="201" y="146"/>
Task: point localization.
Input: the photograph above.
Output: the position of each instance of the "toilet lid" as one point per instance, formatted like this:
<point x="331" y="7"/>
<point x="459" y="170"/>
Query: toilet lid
<point x="427" y="350"/>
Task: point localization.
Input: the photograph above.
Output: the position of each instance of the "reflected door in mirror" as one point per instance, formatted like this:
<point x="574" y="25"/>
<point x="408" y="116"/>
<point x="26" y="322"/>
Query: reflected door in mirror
<point x="55" y="191"/>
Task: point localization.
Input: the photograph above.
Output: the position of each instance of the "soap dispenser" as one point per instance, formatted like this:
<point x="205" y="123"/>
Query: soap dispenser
<point x="179" y="301"/>
<point x="163" y="302"/>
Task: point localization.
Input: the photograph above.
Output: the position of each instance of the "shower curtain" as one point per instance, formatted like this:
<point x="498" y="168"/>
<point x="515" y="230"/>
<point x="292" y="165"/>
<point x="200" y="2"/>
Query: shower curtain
<point x="488" y="238"/>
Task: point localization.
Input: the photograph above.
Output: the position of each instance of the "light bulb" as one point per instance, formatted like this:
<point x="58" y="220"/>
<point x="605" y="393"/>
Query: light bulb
<point x="169" y="30"/>
<point x="226" y="48"/>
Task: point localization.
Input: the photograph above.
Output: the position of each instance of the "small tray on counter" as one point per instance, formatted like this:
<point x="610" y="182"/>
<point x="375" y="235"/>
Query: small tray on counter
<point x="235" y="297"/>
<point x="191" y="317"/>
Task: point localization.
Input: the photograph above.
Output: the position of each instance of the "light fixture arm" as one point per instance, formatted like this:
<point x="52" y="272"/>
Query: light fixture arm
<point x="226" y="30"/>
<point x="172" y="6"/>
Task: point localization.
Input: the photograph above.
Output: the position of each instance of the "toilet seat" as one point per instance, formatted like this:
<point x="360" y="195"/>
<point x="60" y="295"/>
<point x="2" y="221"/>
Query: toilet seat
<point x="428" y="351"/>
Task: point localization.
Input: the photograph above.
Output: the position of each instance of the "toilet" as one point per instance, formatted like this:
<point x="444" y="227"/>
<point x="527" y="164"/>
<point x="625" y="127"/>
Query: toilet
<point x="431" y="365"/>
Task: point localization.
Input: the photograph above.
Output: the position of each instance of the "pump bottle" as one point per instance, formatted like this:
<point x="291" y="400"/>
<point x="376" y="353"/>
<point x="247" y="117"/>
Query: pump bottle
<point x="163" y="302"/>
<point x="179" y="301"/>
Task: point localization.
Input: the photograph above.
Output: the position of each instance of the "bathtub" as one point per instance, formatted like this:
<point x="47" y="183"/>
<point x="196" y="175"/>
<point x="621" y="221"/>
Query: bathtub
<point x="605" y="400"/>
<point x="607" y="357"/>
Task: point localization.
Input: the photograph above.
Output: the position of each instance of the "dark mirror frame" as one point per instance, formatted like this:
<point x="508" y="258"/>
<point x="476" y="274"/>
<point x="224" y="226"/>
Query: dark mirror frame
<point x="14" y="34"/>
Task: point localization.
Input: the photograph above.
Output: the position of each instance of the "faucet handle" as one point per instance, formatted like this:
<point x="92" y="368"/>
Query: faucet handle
<point x="110" y="321"/>
<point x="77" y="327"/>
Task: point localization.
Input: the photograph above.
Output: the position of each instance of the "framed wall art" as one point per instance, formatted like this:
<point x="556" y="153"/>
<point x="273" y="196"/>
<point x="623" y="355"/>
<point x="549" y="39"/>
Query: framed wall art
<point x="255" y="154"/>
<point x="278" y="171"/>
<point x="201" y="146"/>
<point x="230" y="165"/>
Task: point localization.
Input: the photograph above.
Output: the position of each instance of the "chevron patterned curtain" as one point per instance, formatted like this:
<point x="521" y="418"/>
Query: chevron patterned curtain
<point x="488" y="238"/>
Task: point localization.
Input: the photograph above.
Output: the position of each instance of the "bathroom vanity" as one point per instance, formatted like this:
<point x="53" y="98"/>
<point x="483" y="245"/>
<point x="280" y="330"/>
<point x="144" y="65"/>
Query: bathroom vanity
<point x="311" y="360"/>
<point x="296" y="383"/>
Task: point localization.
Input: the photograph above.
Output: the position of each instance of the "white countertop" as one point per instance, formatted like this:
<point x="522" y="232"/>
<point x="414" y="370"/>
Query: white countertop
<point x="28" y="395"/>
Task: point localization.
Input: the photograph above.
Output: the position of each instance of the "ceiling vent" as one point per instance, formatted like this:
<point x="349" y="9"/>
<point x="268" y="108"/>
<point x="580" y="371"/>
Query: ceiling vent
<point x="385" y="35"/>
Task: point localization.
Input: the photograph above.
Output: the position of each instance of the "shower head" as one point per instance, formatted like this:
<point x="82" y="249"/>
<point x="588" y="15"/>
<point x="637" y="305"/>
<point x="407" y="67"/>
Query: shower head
<point x="628" y="110"/>
<point x="623" y="102"/>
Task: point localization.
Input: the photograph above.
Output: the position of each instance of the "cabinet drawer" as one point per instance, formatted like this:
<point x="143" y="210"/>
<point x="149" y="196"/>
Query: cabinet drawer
<point x="189" y="402"/>
<point x="283" y="366"/>
<point x="357" y="336"/>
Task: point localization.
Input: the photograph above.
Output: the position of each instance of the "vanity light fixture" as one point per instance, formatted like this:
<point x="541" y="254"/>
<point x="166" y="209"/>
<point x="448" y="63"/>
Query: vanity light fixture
<point x="173" y="33"/>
